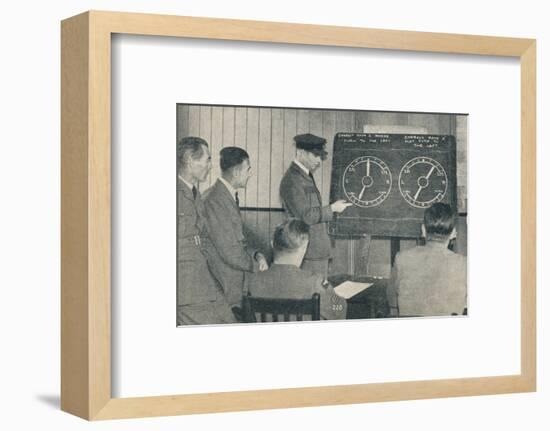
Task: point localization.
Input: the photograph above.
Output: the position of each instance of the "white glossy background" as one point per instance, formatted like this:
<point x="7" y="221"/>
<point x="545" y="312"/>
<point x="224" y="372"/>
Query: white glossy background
<point x="29" y="216"/>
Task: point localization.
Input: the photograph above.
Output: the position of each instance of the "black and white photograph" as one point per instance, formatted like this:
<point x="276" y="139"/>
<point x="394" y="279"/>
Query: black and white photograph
<point x="295" y="214"/>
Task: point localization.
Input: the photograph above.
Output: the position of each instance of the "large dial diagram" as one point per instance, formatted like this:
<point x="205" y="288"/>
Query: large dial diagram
<point x="422" y="182"/>
<point x="367" y="181"/>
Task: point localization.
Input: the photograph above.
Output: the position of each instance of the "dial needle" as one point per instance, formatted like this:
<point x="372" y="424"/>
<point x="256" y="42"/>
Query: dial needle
<point x="417" y="192"/>
<point x="362" y="191"/>
<point x="429" y="173"/>
<point x="368" y="167"/>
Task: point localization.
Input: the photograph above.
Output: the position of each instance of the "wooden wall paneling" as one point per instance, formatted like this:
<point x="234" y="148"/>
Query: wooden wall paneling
<point x="264" y="171"/>
<point x="343" y="248"/>
<point x="205" y="132"/>
<point x="277" y="164"/>
<point x="290" y="128"/>
<point x="445" y="124"/>
<point x="361" y="118"/>
<point x="195" y="130"/>
<point x="182" y="121"/>
<point x="382" y="119"/>
<point x="316" y="127"/>
<point x="461" y="133"/>
<point x="240" y="141"/>
<point x="264" y="158"/>
<point x="216" y="140"/>
<point x="277" y="156"/>
<point x="240" y="127"/>
<point x="429" y="121"/>
<point x="228" y="126"/>
<point x="302" y="121"/>
<point x="252" y="147"/>
<point x="205" y="122"/>
<point x="194" y="120"/>
<point x="329" y="130"/>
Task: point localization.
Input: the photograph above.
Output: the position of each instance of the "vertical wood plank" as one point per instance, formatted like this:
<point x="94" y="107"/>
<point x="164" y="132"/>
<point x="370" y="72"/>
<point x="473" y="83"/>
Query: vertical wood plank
<point x="240" y="141"/>
<point x="194" y="120"/>
<point x="344" y="248"/>
<point x="290" y="128"/>
<point x="461" y="134"/>
<point x="445" y="124"/>
<point x="316" y="127"/>
<point x="277" y="159"/>
<point x="205" y="130"/>
<point x="329" y="130"/>
<point x="228" y="126"/>
<point x="240" y="128"/>
<point x="361" y="119"/>
<point x="252" y="146"/>
<point x="302" y="121"/>
<point x="277" y="155"/>
<point x="264" y="159"/>
<point x="195" y="130"/>
<point x="216" y="140"/>
<point x="182" y="121"/>
<point x="429" y="121"/>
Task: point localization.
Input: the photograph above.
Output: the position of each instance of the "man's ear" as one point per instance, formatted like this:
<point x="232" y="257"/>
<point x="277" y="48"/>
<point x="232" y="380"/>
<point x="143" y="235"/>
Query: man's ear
<point x="423" y="228"/>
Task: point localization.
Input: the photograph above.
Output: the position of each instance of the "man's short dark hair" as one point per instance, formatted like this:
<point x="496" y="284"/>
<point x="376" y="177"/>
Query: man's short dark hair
<point x="190" y="147"/>
<point x="290" y="235"/>
<point x="231" y="157"/>
<point x="439" y="220"/>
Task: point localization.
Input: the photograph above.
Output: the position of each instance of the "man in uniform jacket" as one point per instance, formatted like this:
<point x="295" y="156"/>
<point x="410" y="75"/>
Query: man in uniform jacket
<point x="226" y="227"/>
<point x="302" y="200"/>
<point x="430" y="280"/>
<point x="199" y="297"/>
<point x="285" y="278"/>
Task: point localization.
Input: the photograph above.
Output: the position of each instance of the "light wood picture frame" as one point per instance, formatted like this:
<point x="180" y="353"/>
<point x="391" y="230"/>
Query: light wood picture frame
<point x="86" y="213"/>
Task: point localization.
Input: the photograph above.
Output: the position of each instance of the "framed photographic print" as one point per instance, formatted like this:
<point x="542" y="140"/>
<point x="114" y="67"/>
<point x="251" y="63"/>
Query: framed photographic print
<point x="219" y="174"/>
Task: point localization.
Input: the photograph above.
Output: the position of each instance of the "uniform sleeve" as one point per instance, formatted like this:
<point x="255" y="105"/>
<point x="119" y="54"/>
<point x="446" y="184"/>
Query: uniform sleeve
<point x="393" y="288"/>
<point x="220" y="228"/>
<point x="299" y="204"/>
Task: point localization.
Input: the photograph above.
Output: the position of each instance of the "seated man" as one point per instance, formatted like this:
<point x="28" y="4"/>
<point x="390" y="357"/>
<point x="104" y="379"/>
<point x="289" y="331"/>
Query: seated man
<point x="430" y="280"/>
<point x="285" y="279"/>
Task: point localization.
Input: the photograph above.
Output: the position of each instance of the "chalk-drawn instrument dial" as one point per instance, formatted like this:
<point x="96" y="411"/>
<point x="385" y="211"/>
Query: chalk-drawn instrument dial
<point x="367" y="181"/>
<point x="422" y="182"/>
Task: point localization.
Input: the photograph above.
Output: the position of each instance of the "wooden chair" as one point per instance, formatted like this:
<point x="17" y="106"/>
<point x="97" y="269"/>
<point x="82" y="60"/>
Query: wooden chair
<point x="275" y="307"/>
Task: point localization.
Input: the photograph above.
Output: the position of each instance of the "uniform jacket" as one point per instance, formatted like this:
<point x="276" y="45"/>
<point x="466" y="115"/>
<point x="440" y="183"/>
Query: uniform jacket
<point x="196" y="284"/>
<point x="289" y="281"/>
<point x="302" y="200"/>
<point x="226" y="233"/>
<point x="428" y="280"/>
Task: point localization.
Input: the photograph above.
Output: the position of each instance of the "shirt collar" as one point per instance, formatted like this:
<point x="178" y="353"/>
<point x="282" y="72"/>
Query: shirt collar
<point x="229" y="187"/>
<point x="302" y="167"/>
<point x="188" y="184"/>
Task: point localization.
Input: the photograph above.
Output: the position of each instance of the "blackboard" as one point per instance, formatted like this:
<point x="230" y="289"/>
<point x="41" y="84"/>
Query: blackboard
<point x="390" y="179"/>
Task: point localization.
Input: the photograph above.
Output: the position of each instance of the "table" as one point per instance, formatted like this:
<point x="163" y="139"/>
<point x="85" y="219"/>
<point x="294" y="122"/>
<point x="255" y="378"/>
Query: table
<point x="371" y="303"/>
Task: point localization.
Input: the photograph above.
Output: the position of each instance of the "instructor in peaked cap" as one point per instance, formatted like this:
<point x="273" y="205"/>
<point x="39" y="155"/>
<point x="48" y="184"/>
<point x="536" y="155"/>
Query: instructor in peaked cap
<point x="302" y="200"/>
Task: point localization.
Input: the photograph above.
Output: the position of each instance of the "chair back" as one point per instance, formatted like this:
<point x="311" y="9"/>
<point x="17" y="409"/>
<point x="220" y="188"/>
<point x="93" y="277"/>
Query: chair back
<point x="280" y="310"/>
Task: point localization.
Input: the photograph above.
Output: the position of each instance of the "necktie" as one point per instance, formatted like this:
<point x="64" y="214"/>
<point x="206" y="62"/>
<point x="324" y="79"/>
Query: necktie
<point x="237" y="198"/>
<point x="194" y="192"/>
<point x="311" y="176"/>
